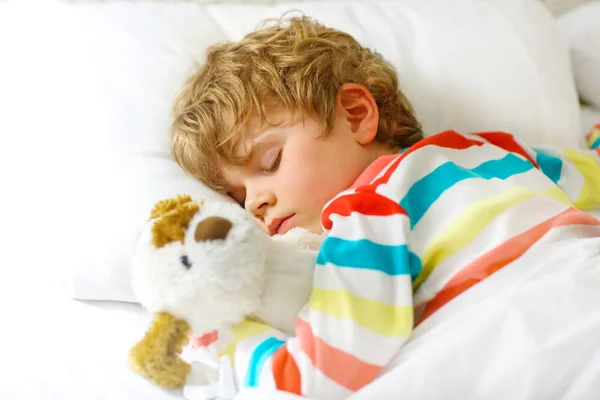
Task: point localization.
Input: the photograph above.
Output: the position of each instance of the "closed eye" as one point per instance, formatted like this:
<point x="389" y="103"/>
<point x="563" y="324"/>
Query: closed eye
<point x="275" y="164"/>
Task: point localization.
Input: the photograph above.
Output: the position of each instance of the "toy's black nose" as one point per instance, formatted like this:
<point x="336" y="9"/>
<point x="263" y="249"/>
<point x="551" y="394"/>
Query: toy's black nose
<point x="212" y="228"/>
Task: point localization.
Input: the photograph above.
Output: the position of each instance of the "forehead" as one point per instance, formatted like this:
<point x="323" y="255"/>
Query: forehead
<point x="260" y="128"/>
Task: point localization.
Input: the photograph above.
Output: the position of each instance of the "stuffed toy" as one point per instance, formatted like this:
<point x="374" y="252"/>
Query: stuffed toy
<point x="206" y="266"/>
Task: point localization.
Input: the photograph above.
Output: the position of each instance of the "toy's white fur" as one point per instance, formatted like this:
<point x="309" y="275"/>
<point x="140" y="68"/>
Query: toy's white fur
<point x="246" y="274"/>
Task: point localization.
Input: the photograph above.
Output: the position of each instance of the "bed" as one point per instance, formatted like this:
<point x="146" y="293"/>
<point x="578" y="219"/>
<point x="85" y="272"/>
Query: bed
<point x="91" y="85"/>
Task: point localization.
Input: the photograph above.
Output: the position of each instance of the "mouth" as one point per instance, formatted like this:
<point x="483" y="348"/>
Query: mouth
<point x="280" y="226"/>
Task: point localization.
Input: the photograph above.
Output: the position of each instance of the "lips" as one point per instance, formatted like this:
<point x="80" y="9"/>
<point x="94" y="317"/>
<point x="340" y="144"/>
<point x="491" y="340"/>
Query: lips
<point x="280" y="226"/>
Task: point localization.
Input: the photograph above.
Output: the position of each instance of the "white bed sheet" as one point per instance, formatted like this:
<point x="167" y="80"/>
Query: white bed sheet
<point x="53" y="347"/>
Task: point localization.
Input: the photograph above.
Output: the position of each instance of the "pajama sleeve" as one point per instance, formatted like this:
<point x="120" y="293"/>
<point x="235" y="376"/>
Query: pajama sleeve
<point x="575" y="172"/>
<point x="360" y="311"/>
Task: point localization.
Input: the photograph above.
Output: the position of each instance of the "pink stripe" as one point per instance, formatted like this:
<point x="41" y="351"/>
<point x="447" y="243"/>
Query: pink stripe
<point x="204" y="340"/>
<point x="339" y="366"/>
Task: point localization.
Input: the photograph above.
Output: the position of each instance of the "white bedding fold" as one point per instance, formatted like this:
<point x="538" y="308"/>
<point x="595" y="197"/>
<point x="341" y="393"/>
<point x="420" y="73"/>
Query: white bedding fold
<point x="54" y="347"/>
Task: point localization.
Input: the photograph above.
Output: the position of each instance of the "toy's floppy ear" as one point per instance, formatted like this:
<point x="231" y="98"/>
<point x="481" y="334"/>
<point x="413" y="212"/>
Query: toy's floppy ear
<point x="156" y="356"/>
<point x="167" y="205"/>
<point x="212" y="228"/>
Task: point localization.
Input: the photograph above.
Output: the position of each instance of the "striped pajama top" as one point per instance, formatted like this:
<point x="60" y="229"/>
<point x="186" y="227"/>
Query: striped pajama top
<point x="415" y="230"/>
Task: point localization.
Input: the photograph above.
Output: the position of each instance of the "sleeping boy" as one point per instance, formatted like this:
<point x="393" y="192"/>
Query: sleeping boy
<point x="304" y="127"/>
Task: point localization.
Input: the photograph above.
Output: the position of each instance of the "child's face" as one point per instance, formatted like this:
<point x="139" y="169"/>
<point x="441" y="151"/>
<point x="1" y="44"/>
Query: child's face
<point x="293" y="172"/>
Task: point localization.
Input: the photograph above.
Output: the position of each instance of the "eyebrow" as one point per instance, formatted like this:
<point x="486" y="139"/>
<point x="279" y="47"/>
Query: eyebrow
<point x="261" y="140"/>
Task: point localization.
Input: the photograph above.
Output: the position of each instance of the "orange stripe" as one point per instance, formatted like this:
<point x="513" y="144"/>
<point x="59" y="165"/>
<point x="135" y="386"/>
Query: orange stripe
<point x="285" y="372"/>
<point x="339" y="366"/>
<point x="204" y="340"/>
<point x="501" y="256"/>
<point x="372" y="170"/>
<point x="507" y="142"/>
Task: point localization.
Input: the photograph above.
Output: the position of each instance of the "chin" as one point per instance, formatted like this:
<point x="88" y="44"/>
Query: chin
<point x="315" y="228"/>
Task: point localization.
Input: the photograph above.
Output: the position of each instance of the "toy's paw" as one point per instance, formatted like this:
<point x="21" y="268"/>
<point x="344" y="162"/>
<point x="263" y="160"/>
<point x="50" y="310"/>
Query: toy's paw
<point x="169" y="374"/>
<point x="156" y="357"/>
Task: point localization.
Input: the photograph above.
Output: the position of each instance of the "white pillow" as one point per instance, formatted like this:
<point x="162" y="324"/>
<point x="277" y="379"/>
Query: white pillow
<point x="581" y="27"/>
<point x="93" y="84"/>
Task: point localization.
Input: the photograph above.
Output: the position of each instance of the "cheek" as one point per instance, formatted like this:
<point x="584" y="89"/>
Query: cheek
<point x="312" y="180"/>
<point x="313" y="173"/>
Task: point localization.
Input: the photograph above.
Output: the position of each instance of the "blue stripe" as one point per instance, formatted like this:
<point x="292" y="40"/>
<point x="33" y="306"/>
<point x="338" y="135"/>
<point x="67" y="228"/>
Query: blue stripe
<point x="551" y="166"/>
<point x="428" y="189"/>
<point x="259" y="356"/>
<point x="415" y="265"/>
<point x="364" y="254"/>
<point x="596" y="144"/>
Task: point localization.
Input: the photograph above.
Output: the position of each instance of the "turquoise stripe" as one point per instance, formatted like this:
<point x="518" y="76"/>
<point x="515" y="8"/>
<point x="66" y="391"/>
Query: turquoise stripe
<point x="415" y="265"/>
<point x="596" y="144"/>
<point x="259" y="356"/>
<point x="364" y="254"/>
<point x="550" y="165"/>
<point x="428" y="189"/>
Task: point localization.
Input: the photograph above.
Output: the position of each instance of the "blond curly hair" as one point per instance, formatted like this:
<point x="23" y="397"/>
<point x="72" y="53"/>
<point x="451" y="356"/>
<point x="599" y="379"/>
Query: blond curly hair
<point x="294" y="63"/>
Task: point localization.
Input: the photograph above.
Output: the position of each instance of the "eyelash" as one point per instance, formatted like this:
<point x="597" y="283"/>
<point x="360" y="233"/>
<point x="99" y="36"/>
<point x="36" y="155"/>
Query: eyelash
<point x="275" y="163"/>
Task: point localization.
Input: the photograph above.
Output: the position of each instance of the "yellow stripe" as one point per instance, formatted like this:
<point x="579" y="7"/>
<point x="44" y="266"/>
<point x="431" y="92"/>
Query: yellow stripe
<point x="589" y="167"/>
<point x="593" y="136"/>
<point x="242" y="331"/>
<point x="557" y="194"/>
<point x="375" y="315"/>
<point x="472" y="221"/>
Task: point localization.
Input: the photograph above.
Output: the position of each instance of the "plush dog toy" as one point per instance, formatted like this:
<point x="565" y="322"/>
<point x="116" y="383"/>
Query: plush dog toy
<point x="205" y="266"/>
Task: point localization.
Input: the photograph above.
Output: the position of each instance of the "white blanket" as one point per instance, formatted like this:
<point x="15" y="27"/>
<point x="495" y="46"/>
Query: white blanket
<point x="501" y="338"/>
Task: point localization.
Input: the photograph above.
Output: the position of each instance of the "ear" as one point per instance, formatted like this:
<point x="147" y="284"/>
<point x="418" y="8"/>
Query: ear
<point x="356" y="107"/>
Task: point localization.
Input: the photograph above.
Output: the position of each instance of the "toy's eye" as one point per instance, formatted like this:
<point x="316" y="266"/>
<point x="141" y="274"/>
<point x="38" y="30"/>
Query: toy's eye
<point x="186" y="263"/>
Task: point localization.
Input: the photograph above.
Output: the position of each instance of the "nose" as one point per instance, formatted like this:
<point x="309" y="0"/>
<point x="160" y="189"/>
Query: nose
<point x="257" y="202"/>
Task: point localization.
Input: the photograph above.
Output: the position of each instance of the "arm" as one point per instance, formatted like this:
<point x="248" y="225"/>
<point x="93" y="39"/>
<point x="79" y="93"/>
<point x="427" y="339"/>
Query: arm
<point x="359" y="314"/>
<point x="576" y="172"/>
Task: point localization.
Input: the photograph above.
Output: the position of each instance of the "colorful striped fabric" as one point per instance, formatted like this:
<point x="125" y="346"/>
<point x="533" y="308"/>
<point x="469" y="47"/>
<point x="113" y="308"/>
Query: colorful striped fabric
<point x="416" y="229"/>
<point x="593" y="138"/>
